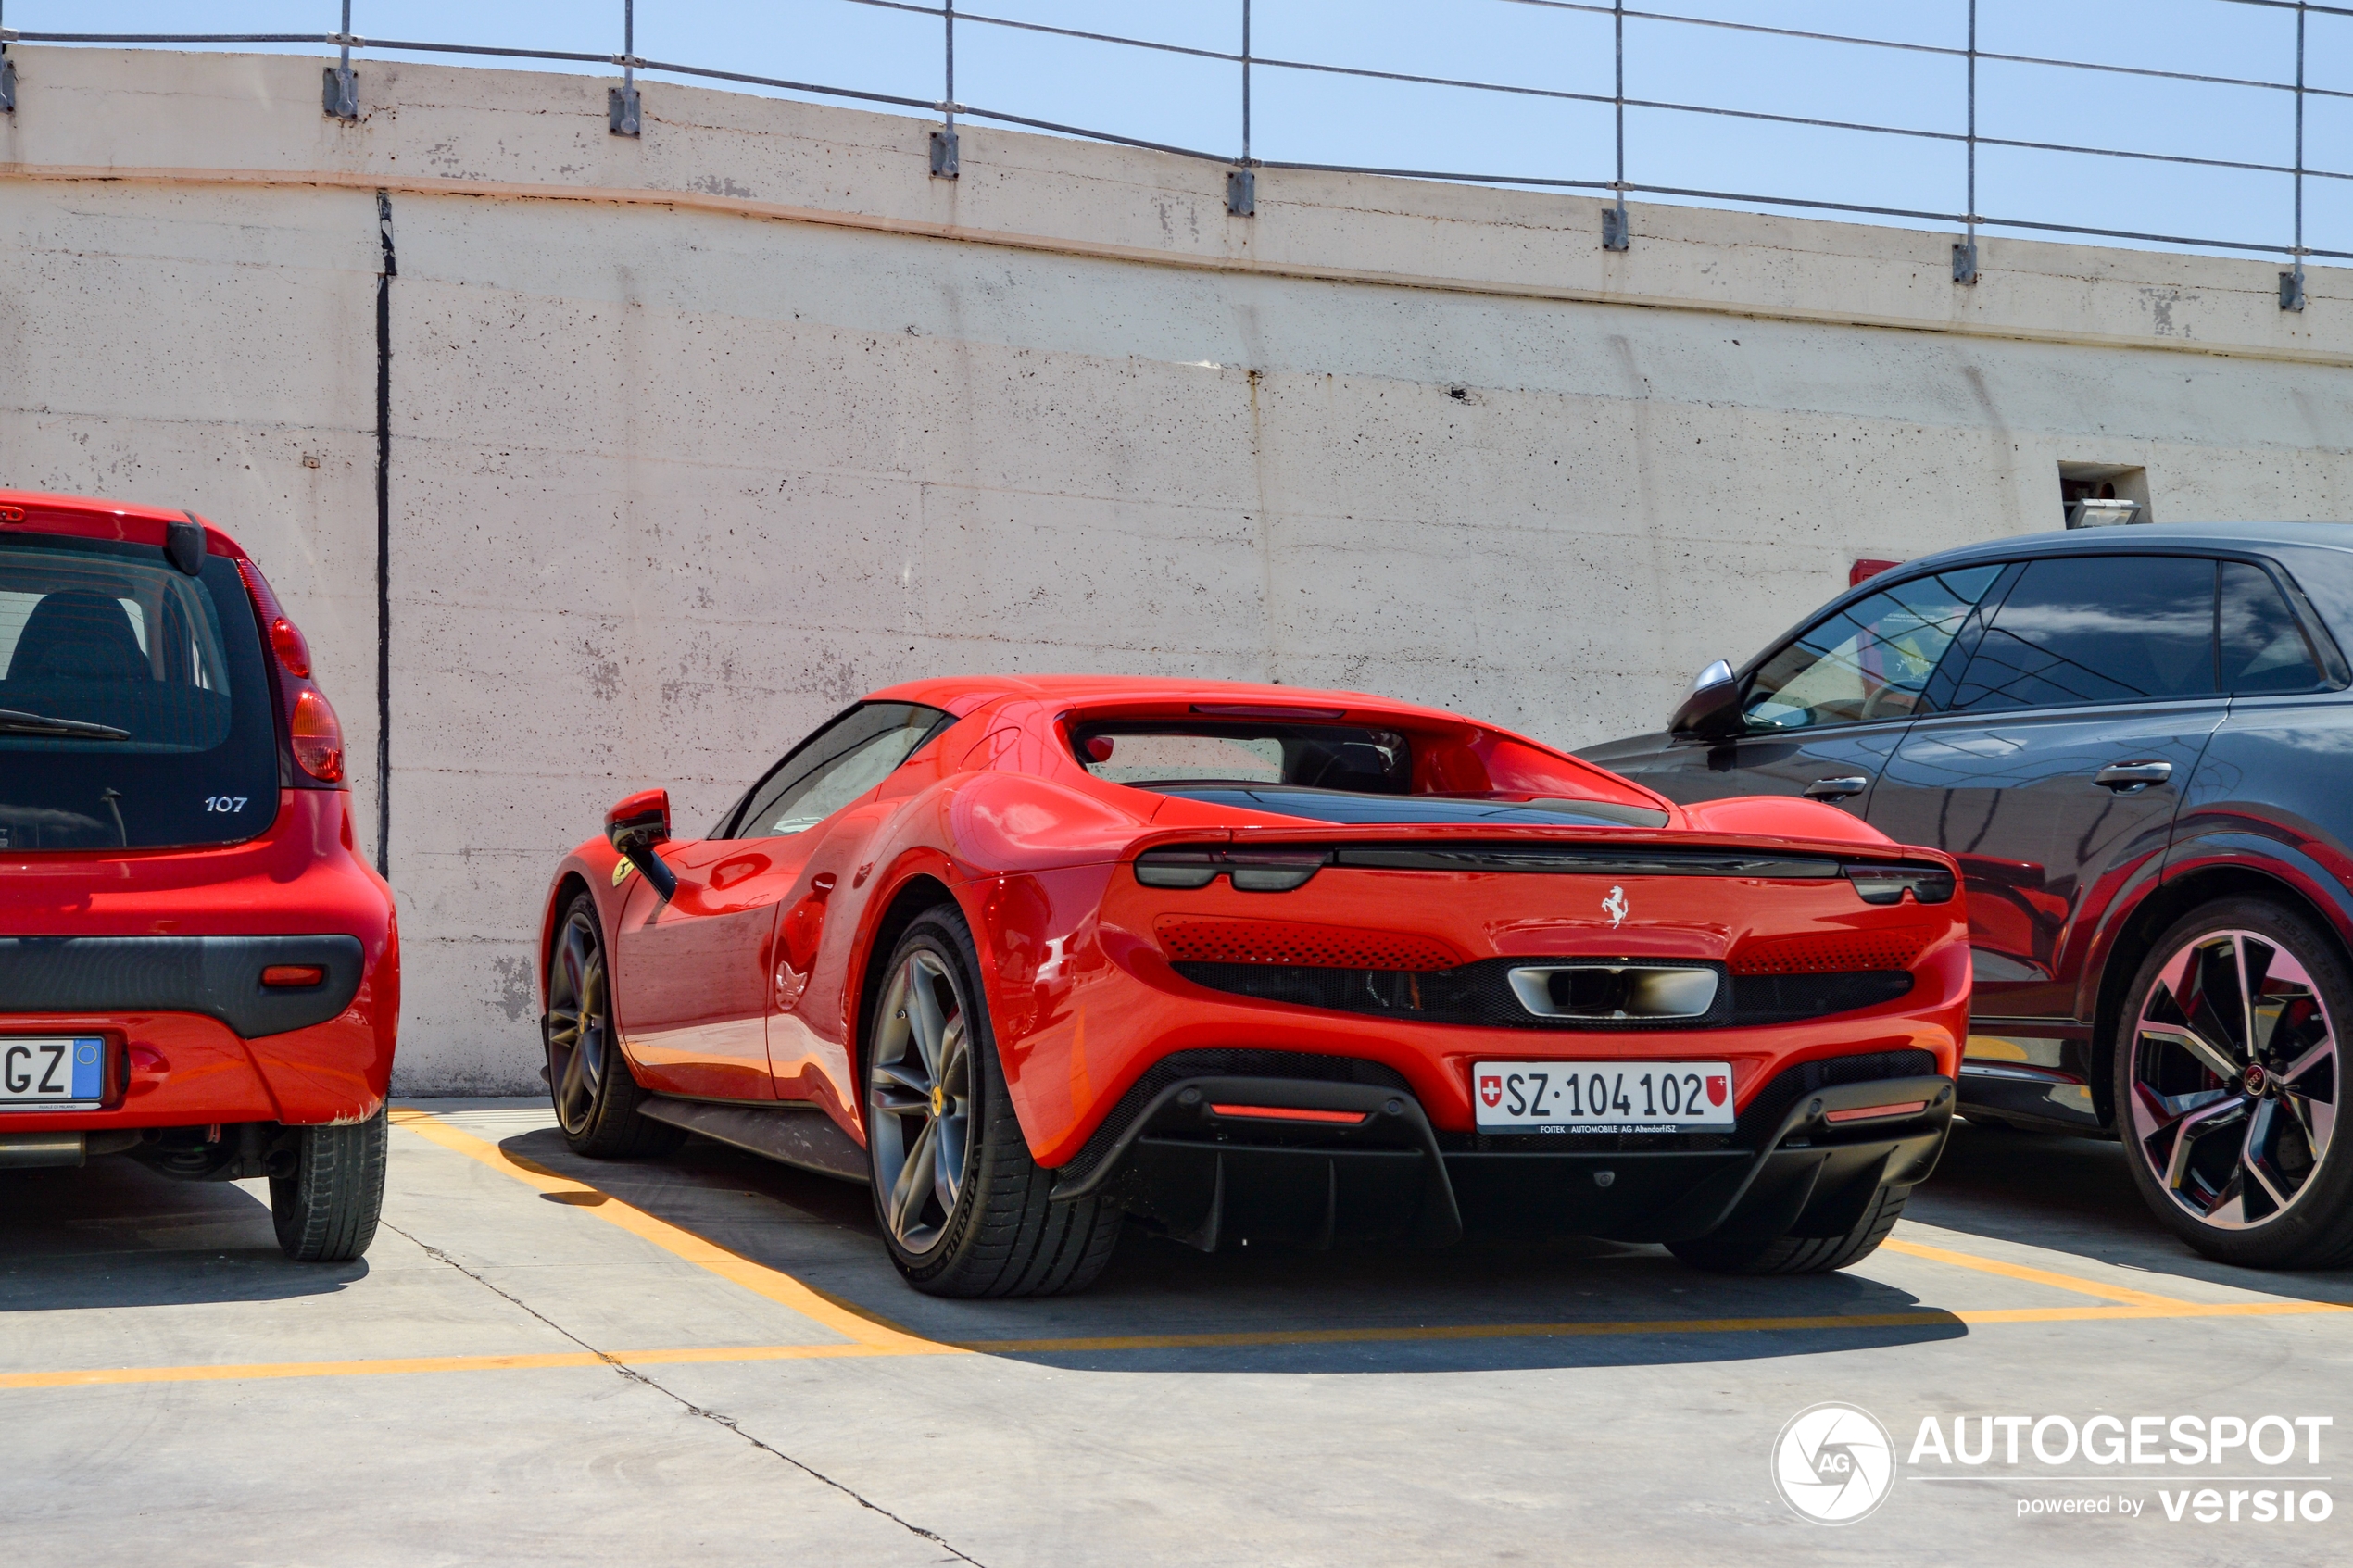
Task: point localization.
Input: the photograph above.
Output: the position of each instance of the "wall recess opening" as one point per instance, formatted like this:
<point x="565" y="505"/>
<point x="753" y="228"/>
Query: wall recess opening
<point x="2103" y="494"/>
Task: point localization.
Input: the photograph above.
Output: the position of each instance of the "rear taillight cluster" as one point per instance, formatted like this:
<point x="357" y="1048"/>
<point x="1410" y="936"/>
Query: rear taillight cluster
<point x="1252" y="871"/>
<point x="1888" y="883"/>
<point x="313" y="733"/>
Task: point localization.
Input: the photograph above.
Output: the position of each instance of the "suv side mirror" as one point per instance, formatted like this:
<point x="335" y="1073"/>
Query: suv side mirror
<point x="634" y="826"/>
<point x="1713" y="710"/>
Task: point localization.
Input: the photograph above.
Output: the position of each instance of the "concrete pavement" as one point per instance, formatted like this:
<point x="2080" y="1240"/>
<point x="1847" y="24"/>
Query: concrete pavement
<point x="709" y="1359"/>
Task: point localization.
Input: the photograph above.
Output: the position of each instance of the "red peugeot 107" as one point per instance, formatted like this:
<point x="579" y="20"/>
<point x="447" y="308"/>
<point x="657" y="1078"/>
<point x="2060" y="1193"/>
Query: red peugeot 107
<point x="198" y="971"/>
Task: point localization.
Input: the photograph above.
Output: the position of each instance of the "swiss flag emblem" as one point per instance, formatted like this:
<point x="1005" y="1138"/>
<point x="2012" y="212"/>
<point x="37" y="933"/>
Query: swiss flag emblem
<point x="1490" y="1090"/>
<point x="1717" y="1084"/>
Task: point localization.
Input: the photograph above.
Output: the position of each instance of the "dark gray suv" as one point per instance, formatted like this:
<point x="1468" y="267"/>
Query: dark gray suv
<point x="2138" y="743"/>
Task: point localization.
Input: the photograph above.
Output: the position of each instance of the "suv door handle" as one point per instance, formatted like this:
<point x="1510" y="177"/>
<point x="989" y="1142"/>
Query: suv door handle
<point x="2133" y="776"/>
<point x="1837" y="789"/>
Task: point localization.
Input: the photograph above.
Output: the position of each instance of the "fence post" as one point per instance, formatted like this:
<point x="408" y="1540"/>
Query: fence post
<point x="2291" y="284"/>
<point x="1614" y="231"/>
<point x="621" y="102"/>
<point x="342" y="94"/>
<point x="943" y="141"/>
<point x="1965" y="254"/>
<point x="1241" y="180"/>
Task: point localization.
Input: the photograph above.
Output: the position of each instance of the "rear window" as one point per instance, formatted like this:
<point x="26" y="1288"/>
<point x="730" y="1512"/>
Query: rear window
<point x="1146" y="754"/>
<point x="135" y="710"/>
<point x="1349" y="775"/>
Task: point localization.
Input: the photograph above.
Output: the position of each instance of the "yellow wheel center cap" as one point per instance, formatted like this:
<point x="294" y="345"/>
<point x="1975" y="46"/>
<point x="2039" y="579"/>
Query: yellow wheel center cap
<point x="938" y="1100"/>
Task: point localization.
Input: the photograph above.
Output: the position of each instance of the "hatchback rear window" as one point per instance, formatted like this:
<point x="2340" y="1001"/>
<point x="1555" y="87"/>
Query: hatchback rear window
<point x="135" y="710"/>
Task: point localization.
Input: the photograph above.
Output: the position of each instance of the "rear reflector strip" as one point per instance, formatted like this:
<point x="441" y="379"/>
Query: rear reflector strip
<point x="1209" y="939"/>
<point x="1836" y="952"/>
<point x="1867" y="1112"/>
<point x="293" y="975"/>
<point x="1290" y="1113"/>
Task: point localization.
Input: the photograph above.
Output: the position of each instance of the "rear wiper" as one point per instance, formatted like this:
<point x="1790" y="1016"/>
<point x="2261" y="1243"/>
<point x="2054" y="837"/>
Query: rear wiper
<point x="14" y="721"/>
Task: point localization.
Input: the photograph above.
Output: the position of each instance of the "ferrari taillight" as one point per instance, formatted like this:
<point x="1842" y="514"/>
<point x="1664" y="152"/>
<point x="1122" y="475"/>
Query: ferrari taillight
<point x="1252" y="871"/>
<point x="1887" y="883"/>
<point x="317" y="735"/>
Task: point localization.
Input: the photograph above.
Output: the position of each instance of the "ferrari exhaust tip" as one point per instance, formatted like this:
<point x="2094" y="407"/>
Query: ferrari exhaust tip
<point x="1616" y="989"/>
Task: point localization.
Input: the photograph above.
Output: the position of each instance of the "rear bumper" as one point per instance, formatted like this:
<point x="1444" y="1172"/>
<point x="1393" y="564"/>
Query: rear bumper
<point x="1211" y="1161"/>
<point x="185" y="1070"/>
<point x="1086" y="1004"/>
<point x="160" y="954"/>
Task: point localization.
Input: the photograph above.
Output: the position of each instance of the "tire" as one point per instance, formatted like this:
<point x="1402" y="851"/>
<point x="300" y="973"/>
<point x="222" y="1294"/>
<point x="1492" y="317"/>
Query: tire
<point x="964" y="1211"/>
<point x="2246" y="1164"/>
<point x="1797" y="1254"/>
<point x="326" y="1211"/>
<point x="596" y="1096"/>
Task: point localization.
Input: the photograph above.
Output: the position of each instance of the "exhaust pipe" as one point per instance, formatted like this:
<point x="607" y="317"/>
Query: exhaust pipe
<point x="20" y="1151"/>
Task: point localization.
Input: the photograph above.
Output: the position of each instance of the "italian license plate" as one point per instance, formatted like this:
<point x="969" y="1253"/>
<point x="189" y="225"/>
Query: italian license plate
<point x="61" y="1072"/>
<point x="1601" y="1096"/>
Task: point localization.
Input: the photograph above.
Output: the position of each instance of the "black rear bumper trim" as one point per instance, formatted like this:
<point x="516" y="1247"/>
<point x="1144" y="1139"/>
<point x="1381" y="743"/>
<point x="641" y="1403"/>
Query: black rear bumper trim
<point x="217" y="976"/>
<point x="1204" y="1176"/>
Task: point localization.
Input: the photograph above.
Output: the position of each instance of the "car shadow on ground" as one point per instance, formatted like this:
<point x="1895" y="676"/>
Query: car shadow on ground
<point x="116" y="1234"/>
<point x="1474" y="1307"/>
<point x="2076" y="1194"/>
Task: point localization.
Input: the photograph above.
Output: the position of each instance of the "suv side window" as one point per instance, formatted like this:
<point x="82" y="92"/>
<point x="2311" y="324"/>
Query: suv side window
<point x="835" y="767"/>
<point x="1868" y="660"/>
<point x="2083" y="629"/>
<point x="2263" y="648"/>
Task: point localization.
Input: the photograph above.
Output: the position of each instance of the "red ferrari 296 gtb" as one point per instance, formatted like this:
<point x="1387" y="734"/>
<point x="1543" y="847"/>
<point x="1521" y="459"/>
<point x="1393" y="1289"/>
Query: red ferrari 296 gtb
<point x="1040" y="957"/>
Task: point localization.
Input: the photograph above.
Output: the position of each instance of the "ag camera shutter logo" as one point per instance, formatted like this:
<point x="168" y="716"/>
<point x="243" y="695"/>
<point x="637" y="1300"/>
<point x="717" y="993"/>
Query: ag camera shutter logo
<point x="1833" y="1463"/>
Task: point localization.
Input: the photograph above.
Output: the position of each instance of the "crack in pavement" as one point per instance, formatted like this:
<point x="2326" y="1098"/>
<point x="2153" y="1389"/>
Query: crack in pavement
<point x="438" y="1256"/>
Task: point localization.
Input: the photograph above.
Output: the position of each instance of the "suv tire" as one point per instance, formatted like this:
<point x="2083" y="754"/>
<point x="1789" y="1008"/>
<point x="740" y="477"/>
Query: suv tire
<point x="2228" y="1111"/>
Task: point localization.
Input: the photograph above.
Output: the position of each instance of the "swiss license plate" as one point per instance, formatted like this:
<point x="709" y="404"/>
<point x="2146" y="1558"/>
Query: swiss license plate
<point x="60" y="1072"/>
<point x="1601" y="1096"/>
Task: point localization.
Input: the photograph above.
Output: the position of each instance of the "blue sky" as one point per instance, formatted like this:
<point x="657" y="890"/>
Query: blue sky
<point x="1306" y="116"/>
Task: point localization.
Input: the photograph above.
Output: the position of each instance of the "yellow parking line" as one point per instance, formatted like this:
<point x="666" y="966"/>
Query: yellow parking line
<point x="2119" y="1293"/>
<point x="97" y="1375"/>
<point x="100" y="1376"/>
<point x="1246" y="1340"/>
<point x="2141" y="1314"/>
<point x="850" y="1321"/>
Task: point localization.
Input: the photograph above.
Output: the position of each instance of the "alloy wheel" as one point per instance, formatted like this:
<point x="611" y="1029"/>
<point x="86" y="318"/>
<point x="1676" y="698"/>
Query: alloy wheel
<point x="919" y="1101"/>
<point x="2233" y="1079"/>
<point x="579" y="1031"/>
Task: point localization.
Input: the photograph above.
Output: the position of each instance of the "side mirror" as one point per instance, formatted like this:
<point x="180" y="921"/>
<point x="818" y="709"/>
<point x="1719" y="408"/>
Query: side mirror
<point x="1713" y="710"/>
<point x="634" y="826"/>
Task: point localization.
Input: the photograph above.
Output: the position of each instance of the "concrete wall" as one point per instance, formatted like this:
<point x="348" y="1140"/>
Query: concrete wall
<point x="696" y="437"/>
